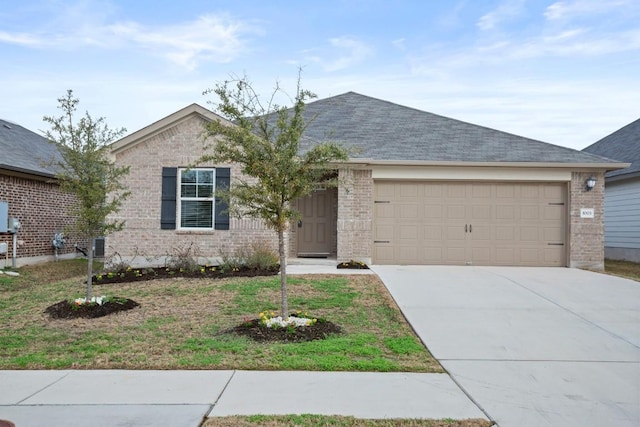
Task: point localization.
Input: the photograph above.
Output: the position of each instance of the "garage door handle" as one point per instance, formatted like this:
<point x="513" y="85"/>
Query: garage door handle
<point x="470" y="228"/>
<point x="381" y="241"/>
<point x="465" y="228"/>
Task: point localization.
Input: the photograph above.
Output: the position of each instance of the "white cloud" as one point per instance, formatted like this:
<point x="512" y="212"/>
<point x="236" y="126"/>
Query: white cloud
<point x="356" y="51"/>
<point x="343" y="53"/>
<point x="564" y="10"/>
<point x="216" y="38"/>
<point x="506" y="11"/>
<point x="22" y="39"/>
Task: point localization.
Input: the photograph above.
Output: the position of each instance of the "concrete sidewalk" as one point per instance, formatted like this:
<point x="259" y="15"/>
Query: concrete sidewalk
<point x="182" y="398"/>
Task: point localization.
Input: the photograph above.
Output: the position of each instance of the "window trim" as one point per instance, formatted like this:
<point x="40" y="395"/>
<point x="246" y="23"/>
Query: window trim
<point x="180" y="199"/>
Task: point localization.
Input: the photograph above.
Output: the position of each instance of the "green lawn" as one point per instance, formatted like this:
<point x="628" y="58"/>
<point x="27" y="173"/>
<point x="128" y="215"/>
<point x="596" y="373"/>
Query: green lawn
<point x="333" y="421"/>
<point x="183" y="324"/>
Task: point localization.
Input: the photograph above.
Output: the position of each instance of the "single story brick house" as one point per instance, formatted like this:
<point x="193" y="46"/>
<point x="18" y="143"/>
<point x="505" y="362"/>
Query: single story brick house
<point x="418" y="189"/>
<point x="29" y="191"/>
<point x="622" y="193"/>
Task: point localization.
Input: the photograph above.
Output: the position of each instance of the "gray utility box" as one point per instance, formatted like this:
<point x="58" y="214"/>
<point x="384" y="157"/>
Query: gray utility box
<point x="4" y="217"/>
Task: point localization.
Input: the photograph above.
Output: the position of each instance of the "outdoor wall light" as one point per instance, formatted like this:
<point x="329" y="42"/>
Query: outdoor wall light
<point x="590" y="183"/>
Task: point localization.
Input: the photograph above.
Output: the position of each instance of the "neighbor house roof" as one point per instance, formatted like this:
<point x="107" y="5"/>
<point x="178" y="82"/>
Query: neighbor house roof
<point x="622" y="145"/>
<point x="379" y="130"/>
<point x="24" y="151"/>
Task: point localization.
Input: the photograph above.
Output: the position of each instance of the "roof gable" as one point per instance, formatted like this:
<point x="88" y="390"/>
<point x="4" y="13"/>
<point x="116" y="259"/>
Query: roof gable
<point x="384" y="131"/>
<point x="162" y="125"/>
<point x="24" y="151"/>
<point x="622" y="145"/>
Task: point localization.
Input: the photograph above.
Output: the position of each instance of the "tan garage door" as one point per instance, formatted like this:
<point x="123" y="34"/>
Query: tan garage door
<point x="469" y="223"/>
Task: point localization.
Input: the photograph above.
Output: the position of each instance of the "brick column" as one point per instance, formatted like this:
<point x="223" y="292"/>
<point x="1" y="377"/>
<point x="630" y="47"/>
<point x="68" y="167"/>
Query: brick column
<point x="355" y="215"/>
<point x="586" y="234"/>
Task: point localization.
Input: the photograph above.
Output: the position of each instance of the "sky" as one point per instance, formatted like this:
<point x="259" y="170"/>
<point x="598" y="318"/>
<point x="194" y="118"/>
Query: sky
<point x="565" y="72"/>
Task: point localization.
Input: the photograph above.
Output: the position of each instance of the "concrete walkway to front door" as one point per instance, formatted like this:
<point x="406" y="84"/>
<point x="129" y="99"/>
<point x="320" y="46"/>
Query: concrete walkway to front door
<point x="531" y="346"/>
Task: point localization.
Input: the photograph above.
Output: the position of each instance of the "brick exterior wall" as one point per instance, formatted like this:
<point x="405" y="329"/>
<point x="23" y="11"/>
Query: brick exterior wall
<point x="41" y="209"/>
<point x="183" y="143"/>
<point x="355" y="215"/>
<point x="586" y="235"/>
<point x="177" y="146"/>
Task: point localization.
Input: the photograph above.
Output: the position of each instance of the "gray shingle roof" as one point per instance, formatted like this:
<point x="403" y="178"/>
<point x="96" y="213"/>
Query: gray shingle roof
<point x="25" y="151"/>
<point x="381" y="130"/>
<point x="622" y="145"/>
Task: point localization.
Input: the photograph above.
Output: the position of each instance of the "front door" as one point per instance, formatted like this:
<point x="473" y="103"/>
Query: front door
<point x="315" y="229"/>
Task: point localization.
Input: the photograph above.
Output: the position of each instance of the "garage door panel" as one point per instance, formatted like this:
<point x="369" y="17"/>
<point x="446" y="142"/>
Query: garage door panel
<point x="480" y="191"/>
<point x="409" y="232"/>
<point x="384" y="254"/>
<point x="529" y="234"/>
<point x="504" y="256"/>
<point x="481" y="212"/>
<point x="553" y="234"/>
<point x="481" y="233"/>
<point x="456" y="212"/>
<point x="530" y="212"/>
<point x="529" y="191"/>
<point x="554" y="193"/>
<point x="505" y="192"/>
<point x="455" y="233"/>
<point x="383" y="210"/>
<point x="385" y="190"/>
<point x="456" y="255"/>
<point x="407" y="211"/>
<point x="383" y="232"/>
<point x="553" y="212"/>
<point x="552" y="254"/>
<point x="505" y="212"/>
<point x="408" y="253"/>
<point x="432" y="211"/>
<point x="432" y="235"/>
<point x="409" y="191"/>
<point x="456" y="190"/>
<point x="433" y="256"/>
<point x="505" y="233"/>
<point x="506" y="223"/>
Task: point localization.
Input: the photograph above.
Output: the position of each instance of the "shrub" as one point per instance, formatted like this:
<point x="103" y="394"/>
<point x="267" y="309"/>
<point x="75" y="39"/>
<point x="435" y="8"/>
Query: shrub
<point x="262" y="256"/>
<point x="258" y="256"/>
<point x="184" y="257"/>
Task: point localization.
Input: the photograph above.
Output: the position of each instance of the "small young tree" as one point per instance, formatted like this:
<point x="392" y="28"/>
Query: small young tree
<point x="85" y="171"/>
<point x="265" y="143"/>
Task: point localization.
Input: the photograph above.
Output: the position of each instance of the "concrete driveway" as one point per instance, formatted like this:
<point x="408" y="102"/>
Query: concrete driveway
<point x="531" y="346"/>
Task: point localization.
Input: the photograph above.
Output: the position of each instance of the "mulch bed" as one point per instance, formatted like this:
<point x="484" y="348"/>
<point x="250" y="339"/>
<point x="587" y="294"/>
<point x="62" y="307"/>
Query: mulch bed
<point x="69" y="310"/>
<point x="257" y="331"/>
<point x="355" y="265"/>
<point x="142" y="274"/>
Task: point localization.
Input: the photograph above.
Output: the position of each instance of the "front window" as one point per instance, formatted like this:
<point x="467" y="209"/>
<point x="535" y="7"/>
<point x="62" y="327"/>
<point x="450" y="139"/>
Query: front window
<point x="197" y="200"/>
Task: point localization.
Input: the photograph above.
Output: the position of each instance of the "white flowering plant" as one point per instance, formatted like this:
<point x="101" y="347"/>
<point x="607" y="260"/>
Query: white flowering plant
<point x="298" y="319"/>
<point x="101" y="300"/>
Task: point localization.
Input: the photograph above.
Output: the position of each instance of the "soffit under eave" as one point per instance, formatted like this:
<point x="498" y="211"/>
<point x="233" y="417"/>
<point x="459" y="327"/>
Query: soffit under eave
<point x="609" y="166"/>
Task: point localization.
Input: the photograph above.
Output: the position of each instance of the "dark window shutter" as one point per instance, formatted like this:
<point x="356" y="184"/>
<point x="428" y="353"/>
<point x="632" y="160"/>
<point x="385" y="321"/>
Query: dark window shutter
<point x="223" y="181"/>
<point x="169" y="192"/>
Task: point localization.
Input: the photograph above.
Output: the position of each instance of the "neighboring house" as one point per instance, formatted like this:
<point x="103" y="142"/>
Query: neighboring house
<point x="622" y="193"/>
<point x="29" y="189"/>
<point x="418" y="189"/>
